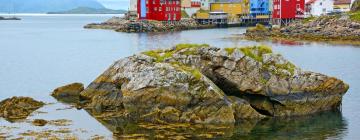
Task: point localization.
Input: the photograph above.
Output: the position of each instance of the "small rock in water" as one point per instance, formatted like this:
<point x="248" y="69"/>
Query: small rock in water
<point x="39" y="122"/>
<point x="18" y="107"/>
<point x="68" y="93"/>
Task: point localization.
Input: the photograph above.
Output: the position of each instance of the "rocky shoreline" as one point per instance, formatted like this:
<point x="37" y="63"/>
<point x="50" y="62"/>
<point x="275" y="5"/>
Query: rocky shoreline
<point x="332" y="29"/>
<point x="136" y="26"/>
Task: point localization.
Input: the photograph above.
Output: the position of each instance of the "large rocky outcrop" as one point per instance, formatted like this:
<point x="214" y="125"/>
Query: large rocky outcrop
<point x="18" y="107"/>
<point x="146" y="90"/>
<point x="124" y="25"/>
<point x="201" y="84"/>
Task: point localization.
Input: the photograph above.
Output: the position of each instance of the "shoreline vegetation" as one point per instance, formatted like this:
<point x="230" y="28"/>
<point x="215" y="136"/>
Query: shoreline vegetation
<point x="121" y="24"/>
<point x="335" y="29"/>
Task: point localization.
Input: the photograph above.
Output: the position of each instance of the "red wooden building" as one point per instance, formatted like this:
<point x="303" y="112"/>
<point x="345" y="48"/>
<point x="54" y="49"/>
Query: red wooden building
<point x="286" y="11"/>
<point x="195" y="4"/>
<point x="161" y="10"/>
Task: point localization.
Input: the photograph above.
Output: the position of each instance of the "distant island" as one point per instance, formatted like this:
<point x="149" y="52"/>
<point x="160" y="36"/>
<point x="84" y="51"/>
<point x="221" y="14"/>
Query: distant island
<point x="88" y="10"/>
<point x="44" y="6"/>
<point x="9" y="18"/>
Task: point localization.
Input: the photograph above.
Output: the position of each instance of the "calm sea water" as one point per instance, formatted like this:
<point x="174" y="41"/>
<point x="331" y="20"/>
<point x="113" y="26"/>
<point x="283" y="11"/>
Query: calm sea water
<point x="40" y="53"/>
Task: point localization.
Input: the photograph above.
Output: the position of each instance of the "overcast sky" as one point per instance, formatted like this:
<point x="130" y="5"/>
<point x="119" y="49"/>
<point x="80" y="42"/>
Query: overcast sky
<point x="115" y="4"/>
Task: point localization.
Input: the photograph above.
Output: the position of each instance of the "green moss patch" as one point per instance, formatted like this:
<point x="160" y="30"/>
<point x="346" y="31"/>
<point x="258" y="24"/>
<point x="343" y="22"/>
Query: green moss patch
<point x="161" y="55"/>
<point x="355" y="16"/>
<point x="184" y="14"/>
<point x="203" y="11"/>
<point x="309" y="19"/>
<point x="194" y="72"/>
<point x="288" y="67"/>
<point x="186" y="46"/>
<point x="256" y="52"/>
<point x="258" y="27"/>
<point x="230" y="50"/>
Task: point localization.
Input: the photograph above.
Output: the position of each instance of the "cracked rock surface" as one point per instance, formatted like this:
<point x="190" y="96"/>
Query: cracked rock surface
<point x="201" y="84"/>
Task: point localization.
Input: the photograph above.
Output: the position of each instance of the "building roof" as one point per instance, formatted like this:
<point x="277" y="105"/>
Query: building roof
<point x="338" y="2"/>
<point x="226" y="1"/>
<point x="310" y="2"/>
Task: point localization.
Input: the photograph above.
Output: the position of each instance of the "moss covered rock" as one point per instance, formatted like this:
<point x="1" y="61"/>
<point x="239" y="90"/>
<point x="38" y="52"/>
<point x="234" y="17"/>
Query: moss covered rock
<point x="202" y="84"/>
<point x="141" y="88"/>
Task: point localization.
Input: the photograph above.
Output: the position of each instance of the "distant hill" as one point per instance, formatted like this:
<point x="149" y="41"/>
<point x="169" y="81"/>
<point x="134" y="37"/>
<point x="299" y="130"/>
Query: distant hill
<point x="87" y="10"/>
<point x="44" y="6"/>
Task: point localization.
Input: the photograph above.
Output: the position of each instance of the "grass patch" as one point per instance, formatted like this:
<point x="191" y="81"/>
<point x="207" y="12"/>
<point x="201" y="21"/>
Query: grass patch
<point x="230" y="50"/>
<point x="194" y="72"/>
<point x="258" y="27"/>
<point x="184" y="14"/>
<point x="256" y="52"/>
<point x="186" y="46"/>
<point x="309" y="19"/>
<point x="355" y="16"/>
<point x="203" y="11"/>
<point x="288" y="67"/>
<point x="161" y="55"/>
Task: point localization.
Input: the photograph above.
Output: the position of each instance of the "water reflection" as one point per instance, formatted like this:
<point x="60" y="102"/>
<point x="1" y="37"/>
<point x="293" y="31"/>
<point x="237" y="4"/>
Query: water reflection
<point x="326" y="125"/>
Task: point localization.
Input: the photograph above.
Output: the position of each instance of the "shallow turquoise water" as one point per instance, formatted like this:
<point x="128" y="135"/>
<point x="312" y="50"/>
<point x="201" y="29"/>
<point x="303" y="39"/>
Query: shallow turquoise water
<point x="40" y="53"/>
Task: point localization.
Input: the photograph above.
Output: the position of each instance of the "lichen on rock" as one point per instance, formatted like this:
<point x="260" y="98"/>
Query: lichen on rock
<point x="202" y="84"/>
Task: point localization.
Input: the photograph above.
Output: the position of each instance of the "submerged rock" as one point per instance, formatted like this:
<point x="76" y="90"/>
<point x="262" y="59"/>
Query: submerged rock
<point x="39" y="122"/>
<point x="202" y="84"/>
<point x="68" y="93"/>
<point x="18" y="107"/>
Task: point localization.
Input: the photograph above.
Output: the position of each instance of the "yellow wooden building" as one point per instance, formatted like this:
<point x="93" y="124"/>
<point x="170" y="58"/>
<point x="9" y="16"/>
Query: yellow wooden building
<point x="232" y="8"/>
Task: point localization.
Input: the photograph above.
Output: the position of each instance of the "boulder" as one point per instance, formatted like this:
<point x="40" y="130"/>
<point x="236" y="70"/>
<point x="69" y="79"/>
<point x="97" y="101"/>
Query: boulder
<point x="271" y="84"/>
<point x="202" y="84"/>
<point x="68" y="93"/>
<point x="143" y="89"/>
<point x="16" y="108"/>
